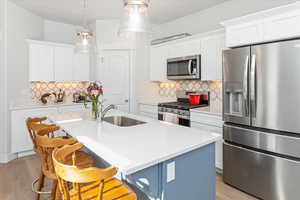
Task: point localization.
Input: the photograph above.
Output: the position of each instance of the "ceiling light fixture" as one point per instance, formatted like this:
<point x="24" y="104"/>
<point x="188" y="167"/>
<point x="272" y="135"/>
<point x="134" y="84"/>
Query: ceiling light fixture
<point x="84" y="35"/>
<point x="135" y="18"/>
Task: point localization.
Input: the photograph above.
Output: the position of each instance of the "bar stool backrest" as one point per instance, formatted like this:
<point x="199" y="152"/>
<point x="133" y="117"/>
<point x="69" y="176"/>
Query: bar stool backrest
<point x="45" y="146"/>
<point x="34" y="125"/>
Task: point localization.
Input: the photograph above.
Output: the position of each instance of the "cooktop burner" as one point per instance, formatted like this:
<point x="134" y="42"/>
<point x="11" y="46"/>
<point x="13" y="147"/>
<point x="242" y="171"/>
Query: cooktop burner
<point x="181" y="105"/>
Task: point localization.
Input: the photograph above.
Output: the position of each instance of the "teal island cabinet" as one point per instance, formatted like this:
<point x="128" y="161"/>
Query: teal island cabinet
<point x="158" y="160"/>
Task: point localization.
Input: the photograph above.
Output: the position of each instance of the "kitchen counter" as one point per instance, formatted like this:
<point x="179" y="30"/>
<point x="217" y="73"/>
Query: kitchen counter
<point x="32" y="105"/>
<point x="155" y="101"/>
<point x="208" y="110"/>
<point x="135" y="148"/>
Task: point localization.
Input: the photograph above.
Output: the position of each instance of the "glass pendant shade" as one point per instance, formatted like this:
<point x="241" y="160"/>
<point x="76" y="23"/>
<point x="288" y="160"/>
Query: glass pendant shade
<point x="135" y="18"/>
<point x="84" y="43"/>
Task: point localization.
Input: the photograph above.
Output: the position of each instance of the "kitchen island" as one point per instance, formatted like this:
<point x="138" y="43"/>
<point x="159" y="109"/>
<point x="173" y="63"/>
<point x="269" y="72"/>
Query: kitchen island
<point x="161" y="161"/>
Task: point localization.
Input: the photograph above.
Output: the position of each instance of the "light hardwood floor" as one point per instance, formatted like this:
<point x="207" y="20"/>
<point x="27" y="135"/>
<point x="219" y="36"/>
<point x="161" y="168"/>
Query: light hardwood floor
<point x="16" y="178"/>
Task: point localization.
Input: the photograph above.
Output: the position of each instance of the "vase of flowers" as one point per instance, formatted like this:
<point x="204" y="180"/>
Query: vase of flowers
<point x="95" y="93"/>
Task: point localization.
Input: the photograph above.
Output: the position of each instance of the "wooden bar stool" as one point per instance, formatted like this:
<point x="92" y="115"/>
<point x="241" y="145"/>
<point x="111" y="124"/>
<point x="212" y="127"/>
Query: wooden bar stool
<point x="90" y="183"/>
<point x="34" y="125"/>
<point x="45" y="147"/>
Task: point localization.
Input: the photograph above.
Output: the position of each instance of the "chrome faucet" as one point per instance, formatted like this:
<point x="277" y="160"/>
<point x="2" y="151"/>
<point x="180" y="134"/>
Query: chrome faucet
<point x="108" y="108"/>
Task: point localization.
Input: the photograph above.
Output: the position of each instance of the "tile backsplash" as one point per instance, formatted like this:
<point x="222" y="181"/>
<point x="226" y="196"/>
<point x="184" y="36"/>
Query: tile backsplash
<point x="40" y="88"/>
<point x="168" y="89"/>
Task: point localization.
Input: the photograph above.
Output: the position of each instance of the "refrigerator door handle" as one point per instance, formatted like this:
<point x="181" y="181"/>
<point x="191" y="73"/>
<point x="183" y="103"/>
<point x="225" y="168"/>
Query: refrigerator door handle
<point x="253" y="84"/>
<point x="245" y="85"/>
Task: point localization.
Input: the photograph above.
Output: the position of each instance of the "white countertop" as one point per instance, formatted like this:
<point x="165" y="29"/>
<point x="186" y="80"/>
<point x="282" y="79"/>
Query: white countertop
<point x="32" y="105"/>
<point x="154" y="101"/>
<point x="208" y="110"/>
<point x="133" y="148"/>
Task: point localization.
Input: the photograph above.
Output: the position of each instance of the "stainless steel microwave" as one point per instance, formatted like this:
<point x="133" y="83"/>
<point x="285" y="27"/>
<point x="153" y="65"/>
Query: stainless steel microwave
<point x="184" y="68"/>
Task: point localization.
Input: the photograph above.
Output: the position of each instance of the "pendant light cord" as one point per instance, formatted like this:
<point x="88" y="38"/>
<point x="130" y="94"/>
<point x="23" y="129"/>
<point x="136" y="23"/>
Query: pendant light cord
<point x="85" y="5"/>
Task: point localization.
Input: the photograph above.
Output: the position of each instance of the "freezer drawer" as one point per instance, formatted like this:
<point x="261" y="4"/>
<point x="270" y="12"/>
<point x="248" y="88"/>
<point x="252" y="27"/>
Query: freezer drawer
<point x="275" y="143"/>
<point x="262" y="175"/>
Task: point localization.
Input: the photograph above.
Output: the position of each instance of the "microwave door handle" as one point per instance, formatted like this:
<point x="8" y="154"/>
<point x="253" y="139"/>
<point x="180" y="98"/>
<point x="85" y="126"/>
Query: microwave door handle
<point x="190" y="67"/>
<point x="253" y="85"/>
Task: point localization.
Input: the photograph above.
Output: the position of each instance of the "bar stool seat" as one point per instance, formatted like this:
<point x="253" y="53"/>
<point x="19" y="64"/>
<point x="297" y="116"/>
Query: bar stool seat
<point x="114" y="189"/>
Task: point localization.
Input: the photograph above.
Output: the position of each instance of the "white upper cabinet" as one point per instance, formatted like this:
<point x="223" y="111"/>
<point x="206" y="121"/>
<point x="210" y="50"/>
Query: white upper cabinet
<point x="243" y="34"/>
<point x="63" y="63"/>
<point x="270" y="25"/>
<point x="41" y="63"/>
<point x="211" y="57"/>
<point x="81" y="67"/>
<point x="282" y="26"/>
<point x="208" y="45"/>
<point x="56" y="62"/>
<point x="158" y="63"/>
<point x="187" y="48"/>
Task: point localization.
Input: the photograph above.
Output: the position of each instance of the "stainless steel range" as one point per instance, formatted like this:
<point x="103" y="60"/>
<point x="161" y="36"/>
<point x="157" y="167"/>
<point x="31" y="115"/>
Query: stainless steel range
<point x="261" y="114"/>
<point x="179" y="112"/>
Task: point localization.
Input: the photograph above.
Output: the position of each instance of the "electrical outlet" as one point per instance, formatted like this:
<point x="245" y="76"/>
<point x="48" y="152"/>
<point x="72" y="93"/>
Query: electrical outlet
<point x="170" y="171"/>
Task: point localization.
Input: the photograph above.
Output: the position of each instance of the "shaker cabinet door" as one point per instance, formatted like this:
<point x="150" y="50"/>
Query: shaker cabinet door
<point x="63" y="63"/>
<point x="20" y="138"/>
<point x="41" y="63"/>
<point x="158" y="63"/>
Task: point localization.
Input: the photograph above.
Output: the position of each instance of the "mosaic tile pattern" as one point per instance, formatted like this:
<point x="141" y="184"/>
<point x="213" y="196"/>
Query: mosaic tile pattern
<point x="40" y="88"/>
<point x="168" y="89"/>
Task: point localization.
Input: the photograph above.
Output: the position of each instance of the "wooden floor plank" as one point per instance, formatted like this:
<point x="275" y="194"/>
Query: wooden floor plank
<point x="16" y="178"/>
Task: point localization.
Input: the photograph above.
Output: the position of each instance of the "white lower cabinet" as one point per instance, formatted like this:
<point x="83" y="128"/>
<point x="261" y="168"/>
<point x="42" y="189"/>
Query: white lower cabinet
<point x="20" y="138"/>
<point x="214" y="124"/>
<point x="148" y="110"/>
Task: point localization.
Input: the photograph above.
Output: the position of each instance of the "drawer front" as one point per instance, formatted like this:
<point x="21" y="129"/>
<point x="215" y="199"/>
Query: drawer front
<point x="72" y="108"/>
<point x="280" y="144"/>
<point x="210" y="120"/>
<point x="262" y="175"/>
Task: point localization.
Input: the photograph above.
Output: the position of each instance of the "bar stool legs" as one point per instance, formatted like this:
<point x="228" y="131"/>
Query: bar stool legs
<point x="40" y="181"/>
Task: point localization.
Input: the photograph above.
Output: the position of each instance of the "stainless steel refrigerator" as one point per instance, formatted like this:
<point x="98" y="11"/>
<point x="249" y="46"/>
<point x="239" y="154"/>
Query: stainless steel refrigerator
<point x="262" y="119"/>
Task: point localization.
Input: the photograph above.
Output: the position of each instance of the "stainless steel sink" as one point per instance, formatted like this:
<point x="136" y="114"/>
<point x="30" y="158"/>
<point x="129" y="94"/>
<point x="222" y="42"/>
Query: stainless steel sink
<point x="122" y="121"/>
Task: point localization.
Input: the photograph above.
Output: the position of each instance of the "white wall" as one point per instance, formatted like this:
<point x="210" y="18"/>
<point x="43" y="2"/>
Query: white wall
<point x="21" y="25"/>
<point x="107" y="38"/>
<point x="3" y="98"/>
<point x="209" y="19"/>
<point x="107" y="35"/>
<point x="60" y="32"/>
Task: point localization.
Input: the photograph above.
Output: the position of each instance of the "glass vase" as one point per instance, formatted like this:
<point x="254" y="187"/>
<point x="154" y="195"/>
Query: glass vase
<point x="95" y="110"/>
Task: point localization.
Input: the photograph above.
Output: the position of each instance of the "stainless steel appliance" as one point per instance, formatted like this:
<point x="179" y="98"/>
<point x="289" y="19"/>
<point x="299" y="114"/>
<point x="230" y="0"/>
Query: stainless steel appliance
<point x="184" y="68"/>
<point x="179" y="112"/>
<point x="261" y="114"/>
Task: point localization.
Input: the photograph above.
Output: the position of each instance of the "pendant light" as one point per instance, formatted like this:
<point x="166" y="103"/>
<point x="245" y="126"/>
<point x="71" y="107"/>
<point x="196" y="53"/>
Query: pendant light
<point x="135" y="18"/>
<point x="84" y="35"/>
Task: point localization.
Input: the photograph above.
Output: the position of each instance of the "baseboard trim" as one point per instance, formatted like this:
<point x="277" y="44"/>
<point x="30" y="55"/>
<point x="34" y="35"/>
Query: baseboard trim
<point x="7" y="157"/>
<point x="219" y="171"/>
<point x="25" y="153"/>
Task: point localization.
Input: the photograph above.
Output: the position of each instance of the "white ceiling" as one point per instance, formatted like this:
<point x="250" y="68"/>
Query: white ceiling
<point x="70" y="11"/>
